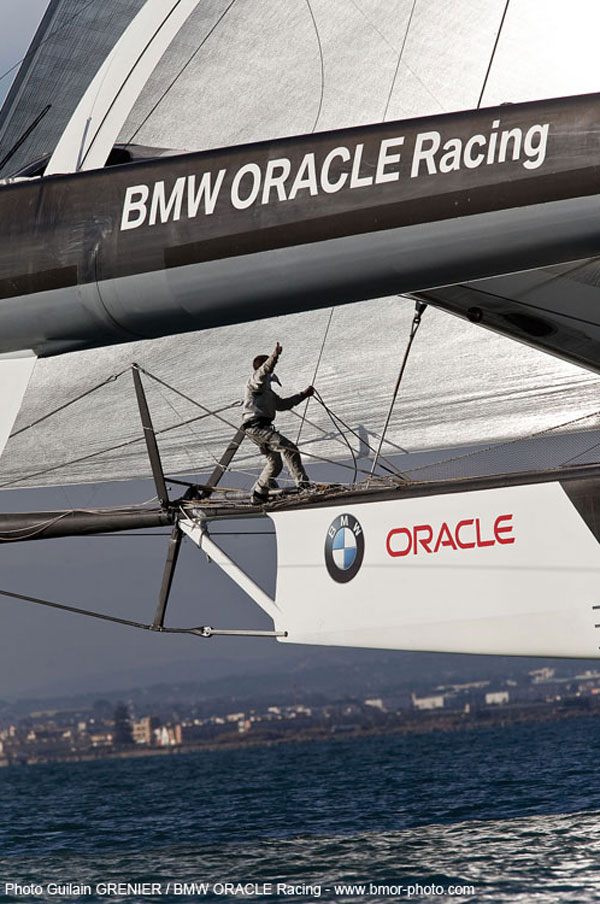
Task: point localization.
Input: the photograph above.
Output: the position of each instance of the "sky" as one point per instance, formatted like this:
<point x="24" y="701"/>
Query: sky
<point x="46" y="651"/>
<point x="17" y="31"/>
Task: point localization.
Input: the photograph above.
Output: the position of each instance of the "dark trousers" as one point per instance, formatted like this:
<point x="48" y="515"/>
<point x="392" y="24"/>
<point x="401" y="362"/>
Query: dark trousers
<point x="273" y="445"/>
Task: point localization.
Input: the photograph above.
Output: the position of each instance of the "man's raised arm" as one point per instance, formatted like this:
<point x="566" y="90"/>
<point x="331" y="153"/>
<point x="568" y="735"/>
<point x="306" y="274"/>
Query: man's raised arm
<point x="257" y="380"/>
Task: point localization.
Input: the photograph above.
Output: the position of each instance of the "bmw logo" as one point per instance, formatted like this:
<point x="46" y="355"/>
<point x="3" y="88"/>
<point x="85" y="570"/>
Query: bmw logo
<point x="344" y="548"/>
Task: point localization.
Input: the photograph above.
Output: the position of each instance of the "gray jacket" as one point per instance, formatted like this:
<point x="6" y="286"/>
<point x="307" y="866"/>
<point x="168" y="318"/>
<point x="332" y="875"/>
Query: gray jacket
<point x="260" y="400"/>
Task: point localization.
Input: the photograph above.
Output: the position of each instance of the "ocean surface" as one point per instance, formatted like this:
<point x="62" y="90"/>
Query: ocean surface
<point x="499" y="814"/>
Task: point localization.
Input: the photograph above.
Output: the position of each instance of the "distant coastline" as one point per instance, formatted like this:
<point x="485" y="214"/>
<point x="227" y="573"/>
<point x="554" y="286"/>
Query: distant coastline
<point x="413" y="724"/>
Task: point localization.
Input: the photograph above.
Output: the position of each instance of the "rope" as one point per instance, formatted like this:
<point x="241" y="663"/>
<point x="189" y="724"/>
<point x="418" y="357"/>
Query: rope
<point x="399" y="59"/>
<point x="330" y="415"/>
<point x="198" y="630"/>
<point x="181" y="71"/>
<point x="112" y="379"/>
<point x="338" y="464"/>
<point x="327" y="434"/>
<point x="579" y="454"/>
<point x="314" y="378"/>
<point x="510" y="442"/>
<point x="199" y="441"/>
<point x="145" y="535"/>
<point x="489" y="68"/>
<point x="416" y="322"/>
<point x="189" y="398"/>
<point x="322" y="63"/>
<point x="395" y="49"/>
<point x="189" y="429"/>
<point x="392" y="468"/>
<point x="130" y="442"/>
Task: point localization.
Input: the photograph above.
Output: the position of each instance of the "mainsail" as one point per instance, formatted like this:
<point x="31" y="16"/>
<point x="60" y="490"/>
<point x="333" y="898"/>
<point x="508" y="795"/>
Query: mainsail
<point x="242" y="72"/>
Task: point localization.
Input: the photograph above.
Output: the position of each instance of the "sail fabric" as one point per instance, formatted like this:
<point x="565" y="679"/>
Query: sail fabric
<point x="300" y="67"/>
<point x="255" y="70"/>
<point x="462" y="386"/>
<point x="74" y="38"/>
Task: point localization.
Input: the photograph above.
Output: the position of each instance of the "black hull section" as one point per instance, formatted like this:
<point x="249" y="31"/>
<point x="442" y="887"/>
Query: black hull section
<point x="205" y="239"/>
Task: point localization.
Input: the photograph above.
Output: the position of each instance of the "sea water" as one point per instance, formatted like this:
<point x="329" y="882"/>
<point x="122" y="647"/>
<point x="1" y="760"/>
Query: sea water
<point x="499" y="814"/>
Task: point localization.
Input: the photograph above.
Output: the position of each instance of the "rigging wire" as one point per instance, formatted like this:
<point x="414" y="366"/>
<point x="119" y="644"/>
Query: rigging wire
<point x="416" y="322"/>
<point x="190" y="399"/>
<point x="147" y="535"/>
<point x="198" y="439"/>
<point x="100" y="615"/>
<point x="180" y="73"/>
<point x="338" y="464"/>
<point x="410" y="18"/>
<point x="489" y="68"/>
<point x="373" y="26"/>
<point x="33" y="50"/>
<point x="346" y="440"/>
<point x="73" y="461"/>
<point x="328" y="435"/>
<point x="392" y="467"/>
<point x="510" y="442"/>
<point x="198" y="417"/>
<point x="322" y="64"/>
<point x="579" y="454"/>
<point x="112" y="379"/>
<point x="395" y="49"/>
<point x="314" y="377"/>
<point x="122" y="445"/>
<point x="189" y="428"/>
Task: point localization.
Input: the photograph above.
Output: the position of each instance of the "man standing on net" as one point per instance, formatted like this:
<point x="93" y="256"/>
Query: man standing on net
<point x="261" y="404"/>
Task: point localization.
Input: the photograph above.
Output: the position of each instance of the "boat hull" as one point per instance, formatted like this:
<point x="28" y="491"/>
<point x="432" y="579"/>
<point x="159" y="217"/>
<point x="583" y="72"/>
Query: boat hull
<point x="510" y="570"/>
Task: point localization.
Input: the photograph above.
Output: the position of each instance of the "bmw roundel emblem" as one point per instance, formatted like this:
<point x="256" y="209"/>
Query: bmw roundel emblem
<point x="344" y="548"/>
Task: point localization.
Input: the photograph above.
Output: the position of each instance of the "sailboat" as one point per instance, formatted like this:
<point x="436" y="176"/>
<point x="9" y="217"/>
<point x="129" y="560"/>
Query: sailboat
<point x="488" y="214"/>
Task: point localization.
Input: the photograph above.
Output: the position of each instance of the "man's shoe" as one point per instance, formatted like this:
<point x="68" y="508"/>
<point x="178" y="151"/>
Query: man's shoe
<point x="259" y="497"/>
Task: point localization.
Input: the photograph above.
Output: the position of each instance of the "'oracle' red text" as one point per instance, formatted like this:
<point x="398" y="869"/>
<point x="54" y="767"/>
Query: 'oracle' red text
<point x="467" y="534"/>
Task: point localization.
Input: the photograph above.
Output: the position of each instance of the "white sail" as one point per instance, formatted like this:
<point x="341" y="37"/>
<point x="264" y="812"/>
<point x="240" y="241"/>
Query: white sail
<point x="92" y="130"/>
<point x="241" y="72"/>
<point x="463" y="386"/>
